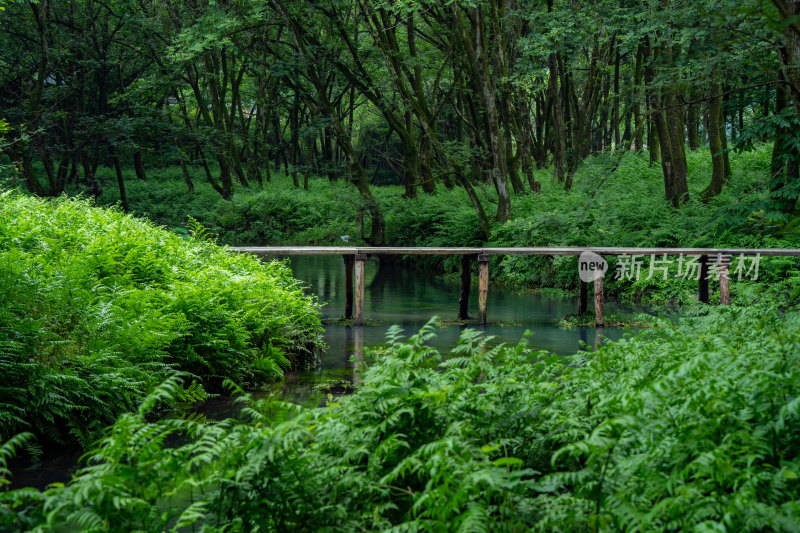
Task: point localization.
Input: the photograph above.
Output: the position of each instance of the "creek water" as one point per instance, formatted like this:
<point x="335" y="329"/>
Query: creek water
<point x="394" y="294"/>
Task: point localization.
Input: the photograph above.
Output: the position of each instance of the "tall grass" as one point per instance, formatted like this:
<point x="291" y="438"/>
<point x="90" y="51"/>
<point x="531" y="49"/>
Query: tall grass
<point x="97" y="307"/>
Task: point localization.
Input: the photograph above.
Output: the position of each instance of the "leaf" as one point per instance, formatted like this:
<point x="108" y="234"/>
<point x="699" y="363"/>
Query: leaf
<point x="507" y="461"/>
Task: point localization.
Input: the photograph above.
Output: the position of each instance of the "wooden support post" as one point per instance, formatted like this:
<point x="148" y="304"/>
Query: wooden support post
<point x="599" y="319"/>
<point x="702" y="291"/>
<point x="466" y="282"/>
<point x="360" y="259"/>
<point x="483" y="287"/>
<point x="583" y="297"/>
<point x="348" y="285"/>
<point x="724" y="280"/>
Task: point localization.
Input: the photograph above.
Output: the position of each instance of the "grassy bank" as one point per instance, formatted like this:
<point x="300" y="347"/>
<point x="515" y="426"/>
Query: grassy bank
<point x="689" y="428"/>
<point x="98" y="307"/>
<point x="609" y="205"/>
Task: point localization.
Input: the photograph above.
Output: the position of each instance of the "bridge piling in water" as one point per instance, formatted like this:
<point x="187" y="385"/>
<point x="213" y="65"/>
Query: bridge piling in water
<point x="702" y="290"/>
<point x="583" y="297"/>
<point x="483" y="287"/>
<point x="360" y="260"/>
<point x="348" y="285"/>
<point x="599" y="318"/>
<point x="724" y="280"/>
<point x="466" y="285"/>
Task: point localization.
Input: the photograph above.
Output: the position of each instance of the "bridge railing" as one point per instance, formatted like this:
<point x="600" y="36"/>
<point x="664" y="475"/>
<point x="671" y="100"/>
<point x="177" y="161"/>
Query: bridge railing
<point x="355" y="257"/>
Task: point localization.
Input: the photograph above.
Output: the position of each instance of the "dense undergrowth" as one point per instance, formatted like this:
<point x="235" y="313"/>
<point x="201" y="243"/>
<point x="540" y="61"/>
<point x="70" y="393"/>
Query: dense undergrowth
<point x="689" y="428"/>
<point x="610" y="204"/>
<point x="98" y="307"/>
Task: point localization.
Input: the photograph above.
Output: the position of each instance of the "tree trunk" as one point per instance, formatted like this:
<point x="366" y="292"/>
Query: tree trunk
<point x="525" y="144"/>
<point x="677" y="142"/>
<point x="615" y="113"/>
<point x="670" y="136"/>
<point x="638" y="141"/>
<point x="312" y="156"/>
<point x="667" y="161"/>
<point x="512" y="163"/>
<point x="715" y="144"/>
<point x="677" y="132"/>
<point x="210" y="178"/>
<point x="652" y="141"/>
<point x="250" y="151"/>
<point x="790" y="52"/>
<point x="660" y="126"/>
<point x="217" y="122"/>
<point x="73" y="171"/>
<point x="426" y="173"/>
<point x="603" y="133"/>
<point x="784" y="155"/>
<point x="692" y="127"/>
<point x="474" y="43"/>
<point x="723" y="137"/>
<point x="186" y="177"/>
<point x="294" y="142"/>
<point x="411" y="163"/>
<point x="559" y="132"/>
<point x="138" y="165"/>
<point x="225" y="177"/>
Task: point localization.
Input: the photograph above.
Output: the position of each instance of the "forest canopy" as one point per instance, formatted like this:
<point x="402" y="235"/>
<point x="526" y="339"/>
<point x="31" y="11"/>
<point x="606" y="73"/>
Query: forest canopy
<point x="422" y="94"/>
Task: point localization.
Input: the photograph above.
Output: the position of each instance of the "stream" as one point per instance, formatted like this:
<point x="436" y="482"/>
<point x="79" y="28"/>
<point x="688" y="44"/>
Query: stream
<point x="409" y="297"/>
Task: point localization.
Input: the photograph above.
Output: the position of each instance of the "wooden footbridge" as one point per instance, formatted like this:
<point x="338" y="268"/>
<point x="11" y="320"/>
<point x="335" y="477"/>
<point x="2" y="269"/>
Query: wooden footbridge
<point x="355" y="257"/>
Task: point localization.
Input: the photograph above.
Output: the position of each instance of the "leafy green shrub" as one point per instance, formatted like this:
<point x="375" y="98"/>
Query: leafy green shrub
<point x="695" y="427"/>
<point x="97" y="307"/>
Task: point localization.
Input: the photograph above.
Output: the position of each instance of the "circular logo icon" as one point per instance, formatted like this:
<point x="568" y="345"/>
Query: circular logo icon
<point x="591" y="266"/>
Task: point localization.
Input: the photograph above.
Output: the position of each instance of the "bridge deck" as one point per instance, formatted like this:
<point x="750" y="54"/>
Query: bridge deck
<point x="559" y="250"/>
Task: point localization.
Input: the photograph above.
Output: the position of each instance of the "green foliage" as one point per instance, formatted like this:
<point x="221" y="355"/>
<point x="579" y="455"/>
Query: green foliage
<point x="694" y="427"/>
<point x="609" y="205"/>
<point x="6" y="167"/>
<point x="97" y="307"/>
